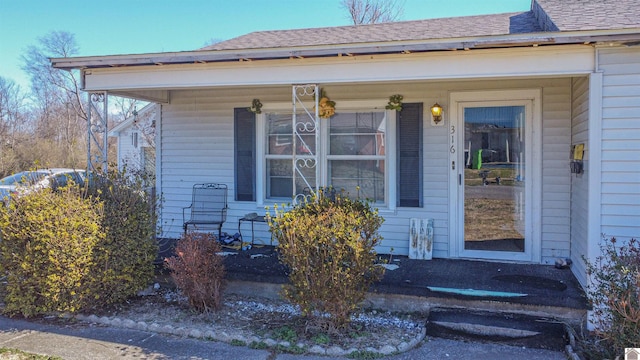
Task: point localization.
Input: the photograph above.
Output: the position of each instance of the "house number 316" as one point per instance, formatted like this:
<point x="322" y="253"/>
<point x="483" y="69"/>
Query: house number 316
<point x="452" y="149"/>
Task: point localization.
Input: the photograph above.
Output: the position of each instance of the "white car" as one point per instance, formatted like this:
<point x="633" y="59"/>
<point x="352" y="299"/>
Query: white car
<point x="38" y="179"/>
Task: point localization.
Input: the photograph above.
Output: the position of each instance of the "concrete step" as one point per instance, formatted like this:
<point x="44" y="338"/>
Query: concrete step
<point x="505" y="328"/>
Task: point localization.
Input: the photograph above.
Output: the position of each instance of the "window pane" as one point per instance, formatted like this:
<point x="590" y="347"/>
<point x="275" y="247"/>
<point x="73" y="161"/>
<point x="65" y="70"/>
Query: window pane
<point x="494" y="191"/>
<point x="279" y="134"/>
<point x="368" y="175"/>
<point x="280" y="178"/>
<point x="357" y="133"/>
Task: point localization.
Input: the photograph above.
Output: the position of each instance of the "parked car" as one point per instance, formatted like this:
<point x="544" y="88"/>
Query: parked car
<point x="38" y="179"/>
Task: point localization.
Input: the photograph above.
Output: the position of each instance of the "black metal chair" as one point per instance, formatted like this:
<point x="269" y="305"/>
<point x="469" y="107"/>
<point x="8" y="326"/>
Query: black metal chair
<point x="208" y="207"/>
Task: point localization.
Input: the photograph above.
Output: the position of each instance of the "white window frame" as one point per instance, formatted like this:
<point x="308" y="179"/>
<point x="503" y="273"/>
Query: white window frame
<point x="342" y="106"/>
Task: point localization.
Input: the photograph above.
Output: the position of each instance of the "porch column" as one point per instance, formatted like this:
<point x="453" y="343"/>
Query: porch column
<point x="305" y="155"/>
<point x="594" y="231"/>
<point x="97" y="132"/>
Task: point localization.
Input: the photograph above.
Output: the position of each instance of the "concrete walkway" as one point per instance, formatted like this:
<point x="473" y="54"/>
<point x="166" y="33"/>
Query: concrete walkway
<point x="81" y="341"/>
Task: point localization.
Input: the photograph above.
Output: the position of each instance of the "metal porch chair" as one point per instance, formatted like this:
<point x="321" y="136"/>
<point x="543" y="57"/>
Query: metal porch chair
<point x="208" y="207"/>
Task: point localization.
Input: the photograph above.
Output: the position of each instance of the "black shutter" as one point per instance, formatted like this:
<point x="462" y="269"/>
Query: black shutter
<point x="409" y="155"/>
<point x="244" y="142"/>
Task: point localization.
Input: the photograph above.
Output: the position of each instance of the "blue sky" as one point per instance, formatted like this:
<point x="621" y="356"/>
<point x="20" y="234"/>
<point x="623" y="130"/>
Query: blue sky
<point x="108" y="27"/>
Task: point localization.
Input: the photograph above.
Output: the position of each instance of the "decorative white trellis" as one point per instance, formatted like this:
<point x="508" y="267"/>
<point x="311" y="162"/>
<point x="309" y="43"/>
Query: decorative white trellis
<point x="97" y="136"/>
<point x="305" y="155"/>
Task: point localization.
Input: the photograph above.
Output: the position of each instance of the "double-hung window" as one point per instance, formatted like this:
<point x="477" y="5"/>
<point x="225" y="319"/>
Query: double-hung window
<point x="352" y="154"/>
<point x="370" y="152"/>
<point x="356" y="154"/>
<point x="279" y="156"/>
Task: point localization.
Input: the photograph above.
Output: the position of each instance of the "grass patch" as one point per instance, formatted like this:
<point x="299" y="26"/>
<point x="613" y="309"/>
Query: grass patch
<point x="285" y="333"/>
<point x="8" y="353"/>
<point x="258" y="345"/>
<point x="236" y="342"/>
<point x="321" y="339"/>
<point x="297" y="350"/>
<point x="490" y="219"/>
<point x="364" y="355"/>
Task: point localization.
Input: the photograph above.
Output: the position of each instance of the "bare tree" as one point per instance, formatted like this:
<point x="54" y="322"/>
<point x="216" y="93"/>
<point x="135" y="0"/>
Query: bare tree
<point x="59" y="111"/>
<point x="13" y="124"/>
<point x="373" y="11"/>
<point x="124" y="108"/>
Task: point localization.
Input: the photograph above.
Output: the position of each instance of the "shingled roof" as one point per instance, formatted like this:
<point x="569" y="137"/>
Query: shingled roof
<point x="548" y="22"/>
<point x="455" y="27"/>
<point x="580" y="15"/>
<point x="545" y="15"/>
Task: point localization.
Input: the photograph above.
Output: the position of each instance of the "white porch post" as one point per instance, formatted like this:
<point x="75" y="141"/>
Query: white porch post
<point x="97" y="132"/>
<point x="309" y="121"/>
<point x="595" y="175"/>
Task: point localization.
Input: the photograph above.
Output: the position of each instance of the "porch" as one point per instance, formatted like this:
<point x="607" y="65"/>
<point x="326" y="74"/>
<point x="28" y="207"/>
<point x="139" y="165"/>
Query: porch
<point x="497" y="286"/>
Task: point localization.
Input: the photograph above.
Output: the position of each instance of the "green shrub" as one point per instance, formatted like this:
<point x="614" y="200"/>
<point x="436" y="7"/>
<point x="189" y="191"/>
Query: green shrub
<point x="72" y="250"/>
<point x="198" y="271"/>
<point x="47" y="250"/>
<point x="328" y="245"/>
<point x="125" y="257"/>
<point x="615" y="295"/>
<point x="285" y="333"/>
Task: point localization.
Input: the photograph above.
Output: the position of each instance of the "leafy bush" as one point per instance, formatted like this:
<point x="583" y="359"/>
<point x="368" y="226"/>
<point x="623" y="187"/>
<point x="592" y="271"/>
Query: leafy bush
<point x="73" y="250"/>
<point x="328" y="245"/>
<point x="615" y="295"/>
<point x="48" y="245"/>
<point x="198" y="271"/>
<point x="125" y="257"/>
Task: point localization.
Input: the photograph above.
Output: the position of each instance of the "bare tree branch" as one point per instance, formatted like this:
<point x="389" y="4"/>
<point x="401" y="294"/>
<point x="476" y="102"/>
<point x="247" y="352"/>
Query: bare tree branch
<point x="373" y="11"/>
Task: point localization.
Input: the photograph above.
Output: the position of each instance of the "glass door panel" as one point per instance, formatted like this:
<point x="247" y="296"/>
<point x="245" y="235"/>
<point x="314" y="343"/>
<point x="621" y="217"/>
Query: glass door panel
<point x="494" y="178"/>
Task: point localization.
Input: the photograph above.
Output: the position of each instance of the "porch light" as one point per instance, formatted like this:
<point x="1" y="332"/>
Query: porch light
<point x="436" y="113"/>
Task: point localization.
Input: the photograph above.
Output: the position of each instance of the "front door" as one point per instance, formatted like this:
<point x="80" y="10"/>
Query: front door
<point x="491" y="158"/>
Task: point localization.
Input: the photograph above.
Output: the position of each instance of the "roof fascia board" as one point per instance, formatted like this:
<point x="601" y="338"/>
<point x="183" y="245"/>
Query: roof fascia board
<point x="508" y="62"/>
<point x="328" y="50"/>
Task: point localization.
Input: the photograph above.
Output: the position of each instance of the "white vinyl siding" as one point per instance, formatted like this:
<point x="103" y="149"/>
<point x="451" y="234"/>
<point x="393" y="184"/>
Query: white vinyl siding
<point x="556" y="179"/>
<point x="197" y="147"/>
<point x="135" y="139"/>
<point x="129" y="156"/>
<point x="620" y="208"/>
<point x="580" y="182"/>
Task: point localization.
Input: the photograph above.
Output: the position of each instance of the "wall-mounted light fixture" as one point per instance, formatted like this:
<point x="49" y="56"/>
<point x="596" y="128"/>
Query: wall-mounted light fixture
<point x="436" y="114"/>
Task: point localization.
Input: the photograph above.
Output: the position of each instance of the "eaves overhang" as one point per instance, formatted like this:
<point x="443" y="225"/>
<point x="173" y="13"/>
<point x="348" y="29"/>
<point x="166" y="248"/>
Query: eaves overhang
<point x="622" y="37"/>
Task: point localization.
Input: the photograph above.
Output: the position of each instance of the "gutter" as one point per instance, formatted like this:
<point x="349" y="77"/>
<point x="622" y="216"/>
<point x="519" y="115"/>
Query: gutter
<point x="621" y="37"/>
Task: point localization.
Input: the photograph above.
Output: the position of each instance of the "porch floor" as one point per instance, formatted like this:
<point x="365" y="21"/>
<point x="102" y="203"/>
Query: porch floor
<point x="502" y="286"/>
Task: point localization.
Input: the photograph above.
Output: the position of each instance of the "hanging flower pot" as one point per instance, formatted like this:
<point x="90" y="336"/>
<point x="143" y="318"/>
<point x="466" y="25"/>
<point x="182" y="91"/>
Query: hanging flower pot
<point x="395" y="102"/>
<point x="326" y="107"/>
<point x="256" y="106"/>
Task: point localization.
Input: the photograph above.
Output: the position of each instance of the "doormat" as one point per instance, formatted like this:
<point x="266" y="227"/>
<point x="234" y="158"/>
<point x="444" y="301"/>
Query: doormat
<point x="537" y="282"/>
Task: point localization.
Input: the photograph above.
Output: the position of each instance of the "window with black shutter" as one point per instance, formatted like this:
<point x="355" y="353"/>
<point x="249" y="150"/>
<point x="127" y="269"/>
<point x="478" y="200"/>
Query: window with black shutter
<point x="409" y="155"/>
<point x="245" y="154"/>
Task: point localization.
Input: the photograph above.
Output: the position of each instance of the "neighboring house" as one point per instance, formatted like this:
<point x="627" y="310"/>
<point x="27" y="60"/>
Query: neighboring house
<point x="528" y="98"/>
<point x="136" y="142"/>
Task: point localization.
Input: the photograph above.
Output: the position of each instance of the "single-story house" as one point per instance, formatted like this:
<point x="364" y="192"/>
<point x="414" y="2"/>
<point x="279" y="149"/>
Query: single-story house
<point x="531" y="154"/>
<point x="136" y="145"/>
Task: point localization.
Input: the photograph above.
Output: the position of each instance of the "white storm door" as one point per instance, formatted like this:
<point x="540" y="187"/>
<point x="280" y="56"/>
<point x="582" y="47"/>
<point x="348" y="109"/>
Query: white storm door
<point x="493" y="175"/>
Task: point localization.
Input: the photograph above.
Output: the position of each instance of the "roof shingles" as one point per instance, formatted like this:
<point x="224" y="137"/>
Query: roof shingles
<point x="577" y="15"/>
<point x="458" y="27"/>
<point x="545" y="15"/>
